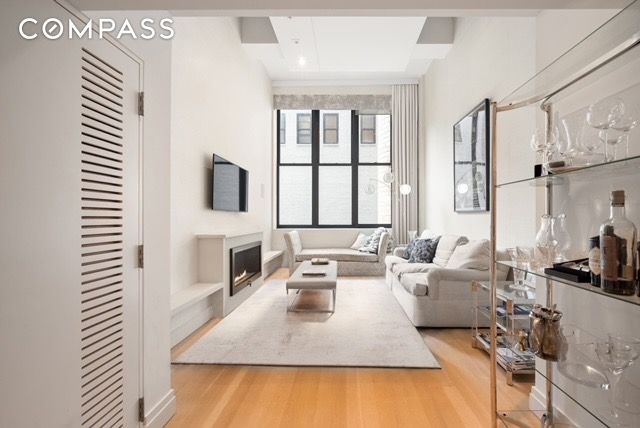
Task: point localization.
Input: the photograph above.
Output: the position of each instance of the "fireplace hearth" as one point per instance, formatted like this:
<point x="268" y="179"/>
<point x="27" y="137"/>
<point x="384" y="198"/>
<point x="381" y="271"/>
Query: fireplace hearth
<point x="246" y="266"/>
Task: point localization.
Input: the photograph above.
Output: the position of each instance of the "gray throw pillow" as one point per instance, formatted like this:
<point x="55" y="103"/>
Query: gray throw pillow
<point x="424" y="250"/>
<point x="373" y="242"/>
<point x="409" y="248"/>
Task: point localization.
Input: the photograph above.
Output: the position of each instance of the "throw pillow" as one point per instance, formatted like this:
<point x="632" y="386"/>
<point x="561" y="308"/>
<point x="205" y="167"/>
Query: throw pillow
<point x="361" y="239"/>
<point x="409" y="248"/>
<point x="371" y="246"/>
<point x="423" y="250"/>
<point x="473" y="255"/>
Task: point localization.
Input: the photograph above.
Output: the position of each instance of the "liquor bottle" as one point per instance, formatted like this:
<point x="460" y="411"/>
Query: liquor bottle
<point x="618" y="237"/>
<point x="594" y="260"/>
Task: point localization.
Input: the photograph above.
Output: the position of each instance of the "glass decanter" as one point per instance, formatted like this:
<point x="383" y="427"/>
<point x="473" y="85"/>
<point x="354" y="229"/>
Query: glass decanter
<point x="562" y="237"/>
<point x="546" y="244"/>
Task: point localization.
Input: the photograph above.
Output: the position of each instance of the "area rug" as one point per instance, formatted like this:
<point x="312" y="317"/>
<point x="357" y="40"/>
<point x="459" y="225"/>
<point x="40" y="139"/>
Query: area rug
<point x="368" y="329"/>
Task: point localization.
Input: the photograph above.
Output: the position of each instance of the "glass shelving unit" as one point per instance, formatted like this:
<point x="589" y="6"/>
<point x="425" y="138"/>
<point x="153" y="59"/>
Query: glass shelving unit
<point x="578" y="379"/>
<point x="512" y="315"/>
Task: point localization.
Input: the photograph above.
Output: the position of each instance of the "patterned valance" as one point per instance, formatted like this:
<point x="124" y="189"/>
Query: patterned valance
<point x="362" y="103"/>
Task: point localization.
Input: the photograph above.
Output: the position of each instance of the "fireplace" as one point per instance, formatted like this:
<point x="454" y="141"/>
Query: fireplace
<point x="246" y="266"/>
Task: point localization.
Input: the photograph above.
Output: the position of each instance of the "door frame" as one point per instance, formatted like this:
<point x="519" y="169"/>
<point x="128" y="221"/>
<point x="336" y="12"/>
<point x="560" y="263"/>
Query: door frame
<point x="141" y="284"/>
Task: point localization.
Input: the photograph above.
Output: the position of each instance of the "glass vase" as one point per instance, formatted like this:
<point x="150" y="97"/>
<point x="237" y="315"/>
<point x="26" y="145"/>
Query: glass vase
<point x="546" y="244"/>
<point x="562" y="238"/>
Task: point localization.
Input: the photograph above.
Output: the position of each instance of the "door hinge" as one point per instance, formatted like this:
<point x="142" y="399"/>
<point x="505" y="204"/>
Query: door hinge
<point x="141" y="256"/>
<point x="141" y="409"/>
<point x="140" y="103"/>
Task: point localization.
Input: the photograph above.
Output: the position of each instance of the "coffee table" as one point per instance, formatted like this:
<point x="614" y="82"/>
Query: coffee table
<point x="300" y="282"/>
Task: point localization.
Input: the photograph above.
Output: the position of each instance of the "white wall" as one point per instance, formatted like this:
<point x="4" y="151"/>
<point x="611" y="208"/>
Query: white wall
<point x="490" y="58"/>
<point x="221" y="103"/>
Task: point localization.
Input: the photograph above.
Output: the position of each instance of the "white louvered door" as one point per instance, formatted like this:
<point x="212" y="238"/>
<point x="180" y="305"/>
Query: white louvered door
<point x="110" y="218"/>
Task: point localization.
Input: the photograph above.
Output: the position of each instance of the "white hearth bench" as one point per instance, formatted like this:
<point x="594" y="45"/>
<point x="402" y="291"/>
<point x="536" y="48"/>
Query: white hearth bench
<point x="210" y="297"/>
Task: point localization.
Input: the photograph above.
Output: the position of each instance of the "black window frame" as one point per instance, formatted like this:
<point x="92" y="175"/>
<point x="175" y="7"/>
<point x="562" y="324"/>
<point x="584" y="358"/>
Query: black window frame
<point x="315" y="165"/>
<point x="324" y="128"/>
<point x="298" y="129"/>
<point x="362" y="129"/>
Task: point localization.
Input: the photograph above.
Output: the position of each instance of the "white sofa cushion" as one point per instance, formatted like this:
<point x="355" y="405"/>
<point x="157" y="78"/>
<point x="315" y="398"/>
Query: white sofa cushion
<point x="337" y="254"/>
<point x="446" y="245"/>
<point x="293" y="241"/>
<point x="472" y="255"/>
<point x="403" y="268"/>
<point x="415" y="284"/>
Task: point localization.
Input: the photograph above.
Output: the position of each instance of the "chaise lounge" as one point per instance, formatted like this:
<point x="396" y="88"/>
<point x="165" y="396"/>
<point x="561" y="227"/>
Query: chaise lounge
<point x="350" y="262"/>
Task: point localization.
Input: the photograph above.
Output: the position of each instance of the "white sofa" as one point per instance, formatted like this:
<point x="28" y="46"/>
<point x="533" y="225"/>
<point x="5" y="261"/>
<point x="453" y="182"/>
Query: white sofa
<point x="350" y="262"/>
<point x="434" y="295"/>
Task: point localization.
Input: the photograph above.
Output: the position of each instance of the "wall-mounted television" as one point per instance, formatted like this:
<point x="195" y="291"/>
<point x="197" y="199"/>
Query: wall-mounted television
<point x="230" y="186"/>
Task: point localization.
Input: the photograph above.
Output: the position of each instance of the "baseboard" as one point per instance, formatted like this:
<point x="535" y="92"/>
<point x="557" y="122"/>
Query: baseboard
<point x="162" y="412"/>
<point x="538" y="400"/>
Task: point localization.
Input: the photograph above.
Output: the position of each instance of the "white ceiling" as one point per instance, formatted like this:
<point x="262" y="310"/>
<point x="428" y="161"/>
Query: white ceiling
<point x="346" y="48"/>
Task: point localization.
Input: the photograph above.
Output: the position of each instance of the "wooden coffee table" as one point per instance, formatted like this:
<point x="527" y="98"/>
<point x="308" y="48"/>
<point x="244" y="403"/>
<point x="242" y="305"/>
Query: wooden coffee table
<point x="299" y="282"/>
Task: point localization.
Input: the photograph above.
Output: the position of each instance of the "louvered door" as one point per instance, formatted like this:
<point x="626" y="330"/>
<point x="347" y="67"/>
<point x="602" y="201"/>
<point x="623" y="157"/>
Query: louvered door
<point x="110" y="278"/>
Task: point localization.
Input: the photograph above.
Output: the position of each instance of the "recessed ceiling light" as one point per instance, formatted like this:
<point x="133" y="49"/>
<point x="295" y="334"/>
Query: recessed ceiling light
<point x="302" y="61"/>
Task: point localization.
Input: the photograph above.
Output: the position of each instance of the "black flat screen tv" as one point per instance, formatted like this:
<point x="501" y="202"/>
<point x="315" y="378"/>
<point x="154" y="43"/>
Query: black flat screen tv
<point x="230" y="186"/>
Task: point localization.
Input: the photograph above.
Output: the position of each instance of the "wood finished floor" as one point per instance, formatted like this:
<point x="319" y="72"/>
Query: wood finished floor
<point x="244" y="396"/>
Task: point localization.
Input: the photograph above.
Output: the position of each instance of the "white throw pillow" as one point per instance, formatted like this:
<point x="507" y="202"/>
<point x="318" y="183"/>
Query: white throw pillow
<point x="473" y="255"/>
<point x="446" y="245"/>
<point x="428" y="234"/>
<point x="361" y="239"/>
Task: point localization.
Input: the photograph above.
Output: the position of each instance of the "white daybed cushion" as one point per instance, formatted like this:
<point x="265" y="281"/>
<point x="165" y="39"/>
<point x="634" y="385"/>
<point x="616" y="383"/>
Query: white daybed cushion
<point x="446" y="245"/>
<point x="337" y="254"/>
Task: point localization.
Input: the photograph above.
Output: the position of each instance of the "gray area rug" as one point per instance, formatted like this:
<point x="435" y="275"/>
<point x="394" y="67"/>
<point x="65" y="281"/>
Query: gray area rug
<point x="368" y="329"/>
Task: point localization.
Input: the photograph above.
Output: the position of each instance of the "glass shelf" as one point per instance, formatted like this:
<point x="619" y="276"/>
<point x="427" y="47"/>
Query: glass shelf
<point x="581" y="377"/>
<point x="504" y="292"/>
<point x="595" y="56"/>
<point x="634" y="300"/>
<point x="620" y="168"/>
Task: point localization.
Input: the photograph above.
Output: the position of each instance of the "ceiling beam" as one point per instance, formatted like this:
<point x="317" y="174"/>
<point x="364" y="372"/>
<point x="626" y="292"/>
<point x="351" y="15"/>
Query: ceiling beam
<point x="347" y="7"/>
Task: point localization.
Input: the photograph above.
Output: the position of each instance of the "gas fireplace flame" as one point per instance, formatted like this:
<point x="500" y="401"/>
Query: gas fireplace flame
<point x="240" y="277"/>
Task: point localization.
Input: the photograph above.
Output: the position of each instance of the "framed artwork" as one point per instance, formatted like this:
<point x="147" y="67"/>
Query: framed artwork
<point x="471" y="160"/>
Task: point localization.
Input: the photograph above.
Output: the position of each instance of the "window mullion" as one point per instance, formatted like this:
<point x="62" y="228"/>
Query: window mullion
<point x="315" y="161"/>
<point x="355" y="154"/>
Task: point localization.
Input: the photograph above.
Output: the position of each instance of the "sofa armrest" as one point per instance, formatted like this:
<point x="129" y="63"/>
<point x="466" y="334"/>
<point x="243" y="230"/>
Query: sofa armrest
<point x="456" y="281"/>
<point x="399" y="251"/>
<point x="468" y="275"/>
<point x="382" y="246"/>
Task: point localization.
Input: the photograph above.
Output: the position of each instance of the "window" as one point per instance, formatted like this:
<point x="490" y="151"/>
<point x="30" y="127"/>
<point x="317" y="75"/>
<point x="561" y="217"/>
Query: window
<point x="367" y="129"/>
<point x="330" y="128"/>
<point x="282" y="119"/>
<point x="304" y="128"/>
<point x="344" y="185"/>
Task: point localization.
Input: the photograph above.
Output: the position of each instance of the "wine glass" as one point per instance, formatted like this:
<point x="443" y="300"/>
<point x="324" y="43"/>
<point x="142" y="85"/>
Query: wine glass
<point x="624" y="123"/>
<point x="633" y="343"/>
<point x="616" y="355"/>
<point x="612" y="139"/>
<point x="545" y="144"/>
<point x="600" y="115"/>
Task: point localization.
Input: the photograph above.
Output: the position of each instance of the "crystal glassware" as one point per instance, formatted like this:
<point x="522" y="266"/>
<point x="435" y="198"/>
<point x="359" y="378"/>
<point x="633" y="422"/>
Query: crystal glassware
<point x="521" y="266"/>
<point x="545" y="242"/>
<point x="612" y="139"/>
<point x="625" y="123"/>
<point x="562" y="237"/>
<point x="616" y="356"/>
<point x="600" y="115"/>
<point x="634" y="343"/>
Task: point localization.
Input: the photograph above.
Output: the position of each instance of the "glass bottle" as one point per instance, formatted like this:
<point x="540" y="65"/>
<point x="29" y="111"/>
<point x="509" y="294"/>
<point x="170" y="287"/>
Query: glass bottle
<point x="562" y="237"/>
<point x="545" y="242"/>
<point x="618" y="237"/>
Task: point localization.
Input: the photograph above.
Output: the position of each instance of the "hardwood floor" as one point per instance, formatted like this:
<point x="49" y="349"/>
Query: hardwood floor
<point x="241" y="396"/>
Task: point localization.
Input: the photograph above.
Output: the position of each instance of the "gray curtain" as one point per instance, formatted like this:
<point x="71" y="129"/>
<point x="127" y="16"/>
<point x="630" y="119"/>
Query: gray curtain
<point x="404" y="159"/>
